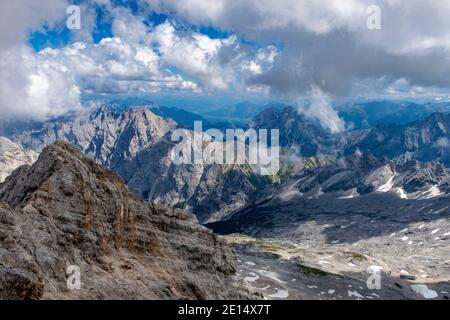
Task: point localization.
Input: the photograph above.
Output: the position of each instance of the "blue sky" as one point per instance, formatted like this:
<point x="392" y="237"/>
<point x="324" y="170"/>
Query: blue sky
<point x="58" y="36"/>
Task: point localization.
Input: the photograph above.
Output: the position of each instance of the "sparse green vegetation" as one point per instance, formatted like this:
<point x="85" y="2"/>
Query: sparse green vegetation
<point x="267" y="245"/>
<point x="310" y="270"/>
<point x="263" y="244"/>
<point x="356" y="256"/>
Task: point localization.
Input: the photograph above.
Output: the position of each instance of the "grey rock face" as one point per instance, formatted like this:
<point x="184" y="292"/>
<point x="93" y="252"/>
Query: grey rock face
<point x="12" y="156"/>
<point x="210" y="191"/>
<point x="67" y="210"/>
<point x="424" y="140"/>
<point x="356" y="178"/>
<point x="106" y="136"/>
<point x="364" y="174"/>
<point x="136" y="144"/>
<point x="327" y="226"/>
<point x="307" y="138"/>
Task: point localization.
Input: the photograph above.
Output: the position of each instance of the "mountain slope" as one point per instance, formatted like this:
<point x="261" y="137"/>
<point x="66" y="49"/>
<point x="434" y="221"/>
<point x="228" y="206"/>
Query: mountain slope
<point x="180" y="116"/>
<point x="12" y="156"/>
<point x="208" y="190"/>
<point x="137" y="145"/>
<point x="371" y="114"/>
<point x="425" y="140"/>
<point x="356" y="180"/>
<point x="67" y="210"/>
<point x="363" y="174"/>
<point x="105" y="135"/>
<point x="304" y="137"/>
<point x="327" y="226"/>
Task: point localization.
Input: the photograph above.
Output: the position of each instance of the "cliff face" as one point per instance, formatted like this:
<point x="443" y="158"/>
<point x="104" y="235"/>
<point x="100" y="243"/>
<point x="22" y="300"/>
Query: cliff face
<point x="137" y="145"/>
<point x="12" y="156"/>
<point x="67" y="210"/>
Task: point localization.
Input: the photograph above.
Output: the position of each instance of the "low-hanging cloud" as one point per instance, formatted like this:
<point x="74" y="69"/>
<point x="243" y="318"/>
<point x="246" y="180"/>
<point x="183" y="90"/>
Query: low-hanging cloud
<point x="320" y="110"/>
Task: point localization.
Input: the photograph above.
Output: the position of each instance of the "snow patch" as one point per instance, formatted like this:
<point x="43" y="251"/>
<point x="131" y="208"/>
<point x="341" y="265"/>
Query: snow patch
<point x="374" y="269"/>
<point x="290" y="194"/>
<point x="401" y="193"/>
<point x="439" y="211"/>
<point x="319" y="193"/>
<point x="404" y="272"/>
<point x="431" y="193"/>
<point x="280" y="294"/>
<point x="355" y="294"/>
<point x="435" y="231"/>
<point x="271" y="275"/>
<point x="387" y="186"/>
<point x="353" y="194"/>
<point x="424" y="291"/>
<point x="251" y="279"/>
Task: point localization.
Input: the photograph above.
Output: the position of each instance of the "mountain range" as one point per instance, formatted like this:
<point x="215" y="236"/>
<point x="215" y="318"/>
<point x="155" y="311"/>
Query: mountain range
<point x="370" y="114"/>
<point x="424" y="140"/>
<point x="136" y="144"/>
<point x="376" y="182"/>
<point x="321" y="234"/>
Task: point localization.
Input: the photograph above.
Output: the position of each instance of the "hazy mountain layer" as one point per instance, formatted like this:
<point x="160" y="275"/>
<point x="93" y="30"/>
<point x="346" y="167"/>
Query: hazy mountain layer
<point x="425" y="140"/>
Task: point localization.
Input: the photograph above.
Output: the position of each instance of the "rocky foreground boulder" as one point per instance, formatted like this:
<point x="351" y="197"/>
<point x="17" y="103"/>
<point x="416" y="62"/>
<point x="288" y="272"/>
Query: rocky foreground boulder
<point x="66" y="210"/>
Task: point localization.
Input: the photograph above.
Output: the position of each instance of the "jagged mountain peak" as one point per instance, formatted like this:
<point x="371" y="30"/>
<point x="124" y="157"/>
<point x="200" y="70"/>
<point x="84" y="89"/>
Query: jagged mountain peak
<point x="64" y="163"/>
<point x="361" y="174"/>
<point x="72" y="211"/>
<point x="436" y="116"/>
<point x="425" y="140"/>
<point x="306" y="137"/>
<point x="106" y="135"/>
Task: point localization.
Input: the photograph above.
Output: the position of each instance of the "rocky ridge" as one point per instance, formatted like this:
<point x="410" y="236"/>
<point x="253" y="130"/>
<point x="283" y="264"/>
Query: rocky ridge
<point x="67" y="210"/>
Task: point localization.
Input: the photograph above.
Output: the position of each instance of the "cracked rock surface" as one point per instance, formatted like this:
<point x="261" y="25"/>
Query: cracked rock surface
<point x="68" y="210"/>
